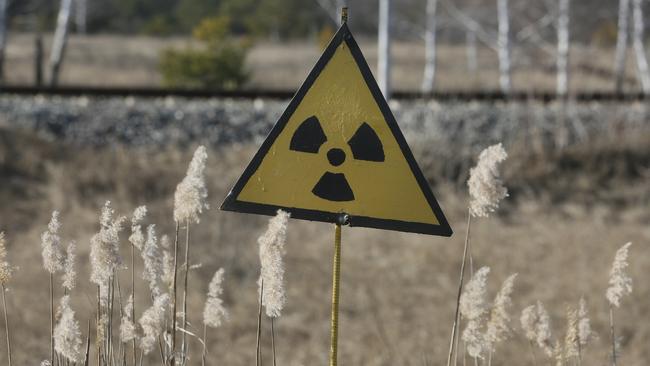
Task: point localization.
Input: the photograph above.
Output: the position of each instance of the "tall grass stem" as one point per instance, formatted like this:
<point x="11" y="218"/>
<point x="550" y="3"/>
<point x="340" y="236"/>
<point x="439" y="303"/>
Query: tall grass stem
<point x="184" y="344"/>
<point x="258" y="354"/>
<point x="205" y="341"/>
<point x="454" y="328"/>
<point x="87" y="357"/>
<point x="613" y="334"/>
<point x="532" y="352"/>
<point x="98" y="345"/>
<point x="133" y="297"/>
<point x="4" y="308"/>
<point x="273" y="340"/>
<point x="173" y="347"/>
<point x="51" y="318"/>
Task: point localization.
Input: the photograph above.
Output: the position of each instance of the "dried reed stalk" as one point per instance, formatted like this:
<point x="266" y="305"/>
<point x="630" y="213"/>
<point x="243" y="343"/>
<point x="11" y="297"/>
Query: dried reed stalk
<point x="173" y="347"/>
<point x="613" y="334"/>
<point x="205" y="341"/>
<point x="258" y="354"/>
<point x="273" y="340"/>
<point x="98" y="346"/>
<point x="184" y="344"/>
<point x="87" y="357"/>
<point x="133" y="297"/>
<point x="51" y="318"/>
<point x="532" y="352"/>
<point x="4" y="307"/>
<point x="454" y="328"/>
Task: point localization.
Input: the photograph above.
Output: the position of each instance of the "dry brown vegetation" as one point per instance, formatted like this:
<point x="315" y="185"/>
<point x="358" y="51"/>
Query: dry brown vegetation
<point x="568" y="213"/>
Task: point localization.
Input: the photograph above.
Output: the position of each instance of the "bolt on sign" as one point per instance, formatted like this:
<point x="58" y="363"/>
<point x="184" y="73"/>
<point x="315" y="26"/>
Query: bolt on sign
<point x="337" y="155"/>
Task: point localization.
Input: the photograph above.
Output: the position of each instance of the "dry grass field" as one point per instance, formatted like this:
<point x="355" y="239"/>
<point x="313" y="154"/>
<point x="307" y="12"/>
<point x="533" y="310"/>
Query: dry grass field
<point x="568" y="213"/>
<point x="103" y="60"/>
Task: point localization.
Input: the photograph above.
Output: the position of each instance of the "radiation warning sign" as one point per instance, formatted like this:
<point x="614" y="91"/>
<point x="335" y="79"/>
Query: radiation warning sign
<point x="337" y="152"/>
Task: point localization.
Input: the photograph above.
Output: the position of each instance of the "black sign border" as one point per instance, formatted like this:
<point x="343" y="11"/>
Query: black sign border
<point x="231" y="203"/>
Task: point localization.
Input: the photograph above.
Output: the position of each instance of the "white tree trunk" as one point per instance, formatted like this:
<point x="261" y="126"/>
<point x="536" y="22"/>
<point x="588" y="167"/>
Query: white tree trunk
<point x="503" y="44"/>
<point x="470" y="51"/>
<point x="80" y="15"/>
<point x="383" y="48"/>
<point x="621" y="44"/>
<point x="430" y="47"/>
<point x="60" y="39"/>
<point x="563" y="47"/>
<point x="3" y="36"/>
<point x="639" y="48"/>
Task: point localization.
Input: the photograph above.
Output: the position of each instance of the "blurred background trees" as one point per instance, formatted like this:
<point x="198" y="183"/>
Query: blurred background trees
<point x="296" y="18"/>
<point x="520" y="43"/>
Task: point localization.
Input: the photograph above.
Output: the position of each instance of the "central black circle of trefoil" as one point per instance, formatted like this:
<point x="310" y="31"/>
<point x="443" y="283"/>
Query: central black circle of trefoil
<point x="336" y="156"/>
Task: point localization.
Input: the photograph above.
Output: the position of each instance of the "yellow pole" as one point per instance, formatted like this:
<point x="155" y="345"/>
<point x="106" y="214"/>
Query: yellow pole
<point x="336" y="276"/>
<point x="336" y="267"/>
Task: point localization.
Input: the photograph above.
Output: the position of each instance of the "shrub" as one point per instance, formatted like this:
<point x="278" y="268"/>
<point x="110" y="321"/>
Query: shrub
<point x="217" y="64"/>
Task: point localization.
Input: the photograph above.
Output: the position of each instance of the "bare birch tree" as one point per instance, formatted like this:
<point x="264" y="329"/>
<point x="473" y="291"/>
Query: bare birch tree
<point x="503" y="44"/>
<point x="639" y="48"/>
<point x="470" y="51"/>
<point x="562" y="47"/>
<point x="621" y="44"/>
<point x="3" y="36"/>
<point x="60" y="40"/>
<point x="430" y="47"/>
<point x="383" y="48"/>
<point x="80" y="15"/>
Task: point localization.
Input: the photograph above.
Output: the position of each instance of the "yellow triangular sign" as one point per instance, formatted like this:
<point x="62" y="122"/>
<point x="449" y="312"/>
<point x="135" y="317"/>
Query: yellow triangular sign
<point x="337" y="153"/>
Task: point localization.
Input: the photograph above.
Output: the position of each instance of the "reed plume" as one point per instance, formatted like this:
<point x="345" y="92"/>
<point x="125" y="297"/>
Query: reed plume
<point x="105" y="249"/>
<point x="620" y="284"/>
<point x="52" y="250"/>
<point x="137" y="238"/>
<point x="214" y="313"/>
<point x="67" y="334"/>
<point x="152" y="323"/>
<point x="69" y="272"/>
<point x="271" y="263"/>
<point x="584" y="328"/>
<point x="167" y="269"/>
<point x="485" y="186"/>
<point x="498" y="326"/>
<point x="473" y="308"/>
<point x="53" y="262"/>
<point x="571" y="338"/>
<point x="6" y="270"/>
<point x="537" y="328"/>
<point x="152" y="261"/>
<point x="128" y="331"/>
<point x="190" y="199"/>
<point x="544" y="335"/>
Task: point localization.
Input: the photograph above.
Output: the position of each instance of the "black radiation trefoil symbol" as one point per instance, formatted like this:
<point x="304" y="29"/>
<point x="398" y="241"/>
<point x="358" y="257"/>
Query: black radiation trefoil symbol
<point x="365" y="145"/>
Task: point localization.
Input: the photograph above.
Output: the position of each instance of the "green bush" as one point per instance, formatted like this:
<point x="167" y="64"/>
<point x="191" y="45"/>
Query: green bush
<point x="217" y="64"/>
